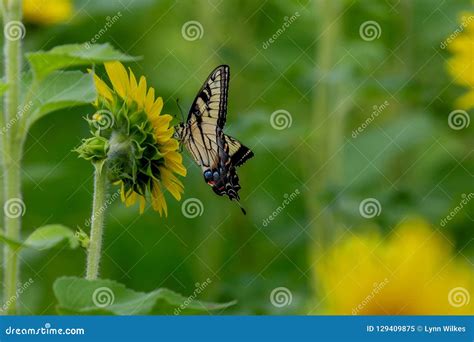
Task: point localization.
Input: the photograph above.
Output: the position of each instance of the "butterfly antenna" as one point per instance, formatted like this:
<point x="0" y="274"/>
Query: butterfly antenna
<point x="180" y="109"/>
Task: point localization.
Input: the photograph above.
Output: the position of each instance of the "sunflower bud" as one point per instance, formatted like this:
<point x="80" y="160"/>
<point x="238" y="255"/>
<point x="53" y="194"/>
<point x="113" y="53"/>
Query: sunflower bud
<point x="93" y="149"/>
<point x="82" y="238"/>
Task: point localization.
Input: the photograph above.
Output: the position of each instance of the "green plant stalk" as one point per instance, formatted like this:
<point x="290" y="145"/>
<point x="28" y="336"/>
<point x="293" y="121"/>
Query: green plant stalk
<point x="11" y="155"/>
<point x="97" y="223"/>
<point x="329" y="116"/>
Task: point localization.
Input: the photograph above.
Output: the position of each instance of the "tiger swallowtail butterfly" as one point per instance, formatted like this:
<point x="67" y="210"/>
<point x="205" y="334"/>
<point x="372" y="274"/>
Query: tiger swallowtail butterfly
<point x="202" y="134"/>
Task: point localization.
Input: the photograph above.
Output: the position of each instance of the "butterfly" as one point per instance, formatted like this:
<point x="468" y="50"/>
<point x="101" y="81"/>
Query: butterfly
<point x="202" y="134"/>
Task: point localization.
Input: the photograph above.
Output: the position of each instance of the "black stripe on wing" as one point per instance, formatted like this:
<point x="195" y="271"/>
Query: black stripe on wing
<point x="237" y="152"/>
<point x="211" y="100"/>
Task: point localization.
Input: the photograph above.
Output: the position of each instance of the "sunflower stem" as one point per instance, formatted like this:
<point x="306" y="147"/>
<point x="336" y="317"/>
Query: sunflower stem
<point x="329" y="115"/>
<point x="11" y="156"/>
<point x="97" y="223"/>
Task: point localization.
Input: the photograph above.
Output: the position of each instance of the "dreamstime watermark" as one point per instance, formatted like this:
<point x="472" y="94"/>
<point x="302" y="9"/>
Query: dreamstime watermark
<point x="459" y="296"/>
<point x="280" y="297"/>
<point x="286" y="24"/>
<point x="109" y="22"/>
<point x="465" y="21"/>
<point x="108" y="202"/>
<point x="103" y="297"/>
<point x="377" y="110"/>
<point x="14" y="30"/>
<point x="14" y="208"/>
<point x="370" y="30"/>
<point x="46" y="330"/>
<point x="458" y="119"/>
<point x="200" y="287"/>
<point x="21" y="110"/>
<point x="192" y="208"/>
<point x="370" y="207"/>
<point x="466" y="198"/>
<point x="288" y="198"/>
<point x="103" y="119"/>
<point x="192" y="30"/>
<point x="281" y="119"/>
<point x="370" y="297"/>
<point x="17" y="294"/>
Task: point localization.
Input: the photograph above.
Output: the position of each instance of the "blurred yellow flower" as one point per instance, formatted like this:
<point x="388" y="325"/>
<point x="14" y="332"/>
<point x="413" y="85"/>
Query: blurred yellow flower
<point x="461" y="65"/>
<point x="411" y="273"/>
<point x="47" y="12"/>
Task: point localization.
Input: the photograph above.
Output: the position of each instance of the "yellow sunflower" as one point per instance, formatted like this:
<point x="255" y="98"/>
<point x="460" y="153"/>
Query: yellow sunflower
<point x="411" y="273"/>
<point x="461" y="65"/>
<point x="135" y="140"/>
<point x="47" y="12"/>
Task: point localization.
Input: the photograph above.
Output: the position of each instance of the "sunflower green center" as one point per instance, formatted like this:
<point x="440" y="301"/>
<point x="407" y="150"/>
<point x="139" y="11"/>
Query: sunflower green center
<point x="123" y="140"/>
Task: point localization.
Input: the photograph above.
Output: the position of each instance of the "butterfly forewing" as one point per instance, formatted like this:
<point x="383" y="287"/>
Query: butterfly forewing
<point x="210" y="104"/>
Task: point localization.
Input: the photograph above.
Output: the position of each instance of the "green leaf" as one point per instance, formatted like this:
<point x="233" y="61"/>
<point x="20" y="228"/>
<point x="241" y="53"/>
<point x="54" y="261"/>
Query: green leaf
<point x="62" y="89"/>
<point x="80" y="296"/>
<point x="50" y="236"/>
<point x="65" y="56"/>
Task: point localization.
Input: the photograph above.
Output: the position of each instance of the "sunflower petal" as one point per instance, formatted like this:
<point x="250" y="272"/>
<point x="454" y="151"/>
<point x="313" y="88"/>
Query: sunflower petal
<point x="142" y="204"/>
<point x="141" y="92"/>
<point x="150" y="99"/>
<point x="156" y="107"/>
<point x="119" y="78"/>
<point x="174" y="162"/>
<point x="172" y="184"/>
<point x="130" y="198"/>
<point x="162" y="122"/>
<point x="133" y="85"/>
<point x="170" y="145"/>
<point x="103" y="89"/>
<point x="158" y="199"/>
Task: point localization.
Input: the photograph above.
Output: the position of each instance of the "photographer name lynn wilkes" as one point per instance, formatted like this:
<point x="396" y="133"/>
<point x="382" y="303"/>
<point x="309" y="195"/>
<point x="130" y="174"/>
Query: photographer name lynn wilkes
<point x="444" y="328"/>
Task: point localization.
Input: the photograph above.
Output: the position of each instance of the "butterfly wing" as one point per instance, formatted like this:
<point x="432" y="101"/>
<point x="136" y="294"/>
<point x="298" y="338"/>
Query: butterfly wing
<point x="210" y="105"/>
<point x="206" y="120"/>
<point x="237" y="152"/>
<point x="217" y="154"/>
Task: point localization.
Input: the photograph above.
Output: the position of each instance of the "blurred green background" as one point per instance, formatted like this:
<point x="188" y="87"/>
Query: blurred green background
<point x="327" y="78"/>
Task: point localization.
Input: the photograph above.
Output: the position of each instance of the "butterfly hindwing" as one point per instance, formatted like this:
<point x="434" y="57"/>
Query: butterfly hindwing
<point x="238" y="153"/>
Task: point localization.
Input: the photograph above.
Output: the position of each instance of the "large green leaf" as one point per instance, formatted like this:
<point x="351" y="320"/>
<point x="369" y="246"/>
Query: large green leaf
<point x="45" y="237"/>
<point x="59" y="90"/>
<point x="65" y="56"/>
<point x="50" y="236"/>
<point x="80" y="296"/>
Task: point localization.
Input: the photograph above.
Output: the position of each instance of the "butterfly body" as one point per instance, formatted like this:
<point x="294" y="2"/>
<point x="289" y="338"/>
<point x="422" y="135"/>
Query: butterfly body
<point x="202" y="134"/>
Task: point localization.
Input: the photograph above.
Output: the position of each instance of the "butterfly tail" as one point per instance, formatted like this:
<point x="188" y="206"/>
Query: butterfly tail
<point x="242" y="208"/>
